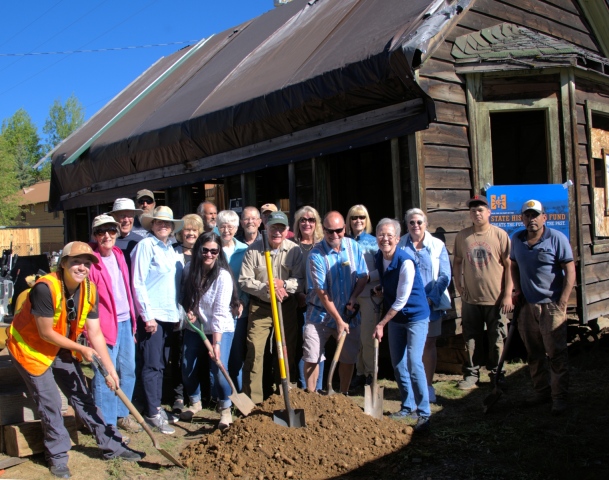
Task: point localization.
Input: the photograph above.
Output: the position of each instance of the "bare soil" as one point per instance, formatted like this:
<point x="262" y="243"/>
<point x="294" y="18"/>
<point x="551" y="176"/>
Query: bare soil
<point x="509" y="442"/>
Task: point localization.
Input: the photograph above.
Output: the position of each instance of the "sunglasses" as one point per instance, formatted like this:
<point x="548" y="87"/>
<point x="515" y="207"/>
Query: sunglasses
<point x="71" y="309"/>
<point x="213" y="251"/>
<point x="102" y="231"/>
<point x="307" y="220"/>
<point x="143" y="201"/>
<point x="417" y="222"/>
<point x="330" y="231"/>
<point x="358" y="217"/>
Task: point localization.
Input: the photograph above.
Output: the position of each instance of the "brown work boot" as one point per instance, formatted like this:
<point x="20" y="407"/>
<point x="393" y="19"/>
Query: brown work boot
<point x="129" y="424"/>
<point x="226" y="418"/>
<point x="190" y="412"/>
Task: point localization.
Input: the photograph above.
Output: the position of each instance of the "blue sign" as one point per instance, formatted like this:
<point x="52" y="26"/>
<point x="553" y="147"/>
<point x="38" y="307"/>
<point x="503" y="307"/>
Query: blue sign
<point x="506" y="201"/>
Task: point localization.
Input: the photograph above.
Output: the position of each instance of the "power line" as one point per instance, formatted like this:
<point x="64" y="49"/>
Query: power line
<point x="109" y="49"/>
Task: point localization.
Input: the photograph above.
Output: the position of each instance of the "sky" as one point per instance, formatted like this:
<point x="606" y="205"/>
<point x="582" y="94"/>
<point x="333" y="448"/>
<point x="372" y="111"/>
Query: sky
<point x="34" y="82"/>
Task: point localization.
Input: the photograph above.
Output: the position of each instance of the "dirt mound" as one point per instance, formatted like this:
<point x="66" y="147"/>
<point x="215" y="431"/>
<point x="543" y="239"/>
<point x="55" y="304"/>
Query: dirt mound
<point x="338" y="437"/>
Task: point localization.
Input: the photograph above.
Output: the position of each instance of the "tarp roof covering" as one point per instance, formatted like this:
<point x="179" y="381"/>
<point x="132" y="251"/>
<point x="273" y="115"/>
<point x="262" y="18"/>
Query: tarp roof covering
<point x="272" y="79"/>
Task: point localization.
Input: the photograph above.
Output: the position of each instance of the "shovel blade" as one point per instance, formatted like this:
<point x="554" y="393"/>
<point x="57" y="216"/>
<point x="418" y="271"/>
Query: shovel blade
<point x="243" y="403"/>
<point x="290" y="418"/>
<point x="373" y="401"/>
<point x="170" y="457"/>
<point x="492" y="399"/>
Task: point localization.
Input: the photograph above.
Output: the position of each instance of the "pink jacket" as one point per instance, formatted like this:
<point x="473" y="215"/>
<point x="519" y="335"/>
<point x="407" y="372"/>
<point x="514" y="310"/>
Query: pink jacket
<point x="106" y="306"/>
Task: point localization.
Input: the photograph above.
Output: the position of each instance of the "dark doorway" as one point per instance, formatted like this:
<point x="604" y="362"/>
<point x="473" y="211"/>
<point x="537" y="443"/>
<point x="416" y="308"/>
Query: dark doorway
<point x="363" y="176"/>
<point x="519" y="146"/>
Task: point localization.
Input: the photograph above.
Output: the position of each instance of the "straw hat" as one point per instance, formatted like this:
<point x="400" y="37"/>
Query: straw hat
<point x="161" y="213"/>
<point x="125" y="205"/>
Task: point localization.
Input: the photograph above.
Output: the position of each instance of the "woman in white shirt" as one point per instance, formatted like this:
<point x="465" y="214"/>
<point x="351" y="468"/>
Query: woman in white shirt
<point x="210" y="294"/>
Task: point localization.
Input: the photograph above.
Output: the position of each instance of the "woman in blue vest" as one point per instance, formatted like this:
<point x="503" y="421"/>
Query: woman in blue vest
<point x="407" y="313"/>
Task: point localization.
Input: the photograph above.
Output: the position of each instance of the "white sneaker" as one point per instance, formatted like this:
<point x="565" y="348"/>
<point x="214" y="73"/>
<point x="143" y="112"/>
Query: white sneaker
<point x="226" y="418"/>
<point x="169" y="418"/>
<point x="160" y="424"/>
<point x="432" y="394"/>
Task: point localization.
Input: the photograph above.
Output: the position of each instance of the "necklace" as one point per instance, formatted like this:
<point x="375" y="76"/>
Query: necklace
<point x="306" y="246"/>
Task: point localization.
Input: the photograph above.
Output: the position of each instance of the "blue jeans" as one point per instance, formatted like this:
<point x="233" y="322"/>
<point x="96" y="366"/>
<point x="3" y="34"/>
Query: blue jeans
<point x="406" y="343"/>
<point x="122" y="355"/>
<point x="193" y="349"/>
<point x="237" y="352"/>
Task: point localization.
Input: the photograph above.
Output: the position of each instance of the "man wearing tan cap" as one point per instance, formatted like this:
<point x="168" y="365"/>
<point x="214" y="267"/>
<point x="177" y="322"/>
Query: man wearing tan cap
<point x="145" y="200"/>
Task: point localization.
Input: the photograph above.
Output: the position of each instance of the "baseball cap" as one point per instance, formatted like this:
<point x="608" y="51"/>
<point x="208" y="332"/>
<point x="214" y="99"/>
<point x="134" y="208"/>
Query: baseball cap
<point x="76" y="249"/>
<point x="145" y="193"/>
<point x="268" y="207"/>
<point x="277" y="217"/>
<point x="481" y="199"/>
<point x="534" y="205"/>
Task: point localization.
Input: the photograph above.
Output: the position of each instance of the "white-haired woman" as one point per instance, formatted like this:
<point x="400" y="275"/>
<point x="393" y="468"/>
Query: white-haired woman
<point x="407" y="313"/>
<point x="307" y="232"/>
<point x="227" y="222"/>
<point x="156" y="273"/>
<point x="359" y="228"/>
<point x="431" y="257"/>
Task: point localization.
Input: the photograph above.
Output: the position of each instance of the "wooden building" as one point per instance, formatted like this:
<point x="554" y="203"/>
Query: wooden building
<point x="388" y="103"/>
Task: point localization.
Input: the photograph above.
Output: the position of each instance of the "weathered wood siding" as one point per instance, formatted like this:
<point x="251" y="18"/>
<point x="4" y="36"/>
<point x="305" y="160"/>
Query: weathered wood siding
<point x="596" y="265"/>
<point x="444" y="148"/>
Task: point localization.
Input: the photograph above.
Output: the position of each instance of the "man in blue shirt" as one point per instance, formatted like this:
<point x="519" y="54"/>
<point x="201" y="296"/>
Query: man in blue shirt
<point x="336" y="275"/>
<point x="544" y="273"/>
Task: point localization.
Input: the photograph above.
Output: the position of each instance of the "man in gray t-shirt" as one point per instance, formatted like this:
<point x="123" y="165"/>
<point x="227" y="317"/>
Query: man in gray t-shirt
<point x="544" y="273"/>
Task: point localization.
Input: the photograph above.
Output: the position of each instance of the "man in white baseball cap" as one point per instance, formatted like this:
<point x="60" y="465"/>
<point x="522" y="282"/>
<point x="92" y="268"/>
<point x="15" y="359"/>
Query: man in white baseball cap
<point x="124" y="212"/>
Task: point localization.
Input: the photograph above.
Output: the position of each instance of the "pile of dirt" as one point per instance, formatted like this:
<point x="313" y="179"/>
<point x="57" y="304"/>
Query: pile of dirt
<point x="338" y="438"/>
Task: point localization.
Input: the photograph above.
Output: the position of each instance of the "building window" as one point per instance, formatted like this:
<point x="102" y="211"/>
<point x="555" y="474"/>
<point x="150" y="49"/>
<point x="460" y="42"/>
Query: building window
<point x="46" y="207"/>
<point x="598" y="131"/>
<point x="32" y="208"/>
<point x="55" y="214"/>
<point x="23" y="217"/>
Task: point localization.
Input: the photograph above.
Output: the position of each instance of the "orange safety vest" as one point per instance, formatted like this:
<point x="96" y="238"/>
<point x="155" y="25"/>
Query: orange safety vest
<point x="32" y="352"/>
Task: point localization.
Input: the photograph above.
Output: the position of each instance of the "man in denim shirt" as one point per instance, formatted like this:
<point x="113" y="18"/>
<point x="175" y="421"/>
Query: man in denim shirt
<point x="336" y="275"/>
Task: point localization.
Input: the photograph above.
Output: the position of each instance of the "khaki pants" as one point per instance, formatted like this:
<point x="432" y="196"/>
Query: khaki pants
<point x="543" y="328"/>
<point x="259" y="327"/>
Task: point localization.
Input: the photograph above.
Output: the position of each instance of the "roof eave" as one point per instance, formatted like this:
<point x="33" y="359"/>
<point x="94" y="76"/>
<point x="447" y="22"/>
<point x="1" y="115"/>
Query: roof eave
<point x="597" y="14"/>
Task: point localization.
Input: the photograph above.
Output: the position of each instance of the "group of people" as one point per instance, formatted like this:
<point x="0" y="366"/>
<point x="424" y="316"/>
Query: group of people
<point x="146" y="276"/>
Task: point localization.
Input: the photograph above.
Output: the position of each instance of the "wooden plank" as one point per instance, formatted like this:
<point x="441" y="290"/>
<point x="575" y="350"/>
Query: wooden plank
<point x="585" y="217"/>
<point x="542" y="9"/>
<point x="451" y="113"/>
<point x="598" y="309"/>
<point x="567" y="5"/>
<point x="26" y="438"/>
<point x="443" y="134"/>
<point x="16" y="406"/>
<point x="443" y="91"/>
<point x="582" y="154"/>
<point x="581" y="114"/>
<point x="480" y="17"/>
<point x="586" y="234"/>
<point x="449" y="221"/>
<point x="9" y="376"/>
<point x="585" y="196"/>
<point x="519" y="90"/>
<point x="458" y="31"/>
<point x="583" y="175"/>
<point x="433" y="68"/>
<point x="590" y="257"/>
<point x="447" y="178"/>
<point x="443" y="53"/>
<point x="446" y="199"/>
<point x="594" y="92"/>
<point x="598" y="272"/>
<point x="599" y="248"/>
<point x="597" y="291"/>
<point x="444" y="156"/>
<point x="447" y="238"/>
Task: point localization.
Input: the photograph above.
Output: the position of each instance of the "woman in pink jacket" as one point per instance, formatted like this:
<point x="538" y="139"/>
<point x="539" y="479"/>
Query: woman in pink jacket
<point x="117" y="319"/>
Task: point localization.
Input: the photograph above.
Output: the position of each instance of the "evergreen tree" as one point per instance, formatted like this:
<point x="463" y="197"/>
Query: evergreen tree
<point x="20" y="140"/>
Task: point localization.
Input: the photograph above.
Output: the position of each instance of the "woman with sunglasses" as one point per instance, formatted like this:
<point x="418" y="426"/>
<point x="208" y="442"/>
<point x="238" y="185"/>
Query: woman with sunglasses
<point x="42" y="343"/>
<point x="156" y="272"/>
<point x="209" y="297"/>
<point x="359" y="227"/>
<point x="308" y="231"/>
<point x="431" y="257"/>
<point x="117" y="319"/>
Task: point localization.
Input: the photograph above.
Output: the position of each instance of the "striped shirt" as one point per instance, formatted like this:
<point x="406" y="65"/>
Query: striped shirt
<point x="336" y="273"/>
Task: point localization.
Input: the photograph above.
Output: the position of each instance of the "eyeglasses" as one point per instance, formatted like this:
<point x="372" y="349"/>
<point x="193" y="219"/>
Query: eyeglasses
<point x="71" y="309"/>
<point x="229" y="228"/>
<point x="102" y="231"/>
<point x="143" y="201"/>
<point x="307" y="220"/>
<point x="417" y="222"/>
<point x="331" y="231"/>
<point x="388" y="236"/>
<point x="358" y="217"/>
<point x="213" y="251"/>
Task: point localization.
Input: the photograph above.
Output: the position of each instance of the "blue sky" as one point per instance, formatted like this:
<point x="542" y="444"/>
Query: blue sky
<point x="34" y="82"/>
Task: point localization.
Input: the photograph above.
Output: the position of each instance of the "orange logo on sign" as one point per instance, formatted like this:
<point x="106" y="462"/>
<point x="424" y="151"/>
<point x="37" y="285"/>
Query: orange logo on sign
<point x="499" y="202"/>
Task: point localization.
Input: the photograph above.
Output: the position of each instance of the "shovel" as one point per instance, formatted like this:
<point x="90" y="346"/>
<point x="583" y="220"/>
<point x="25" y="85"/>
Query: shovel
<point x="496" y="394"/>
<point x="240" y="400"/>
<point x="373" y="394"/>
<point x="288" y="417"/>
<point x="135" y="413"/>
<point x="339" y="348"/>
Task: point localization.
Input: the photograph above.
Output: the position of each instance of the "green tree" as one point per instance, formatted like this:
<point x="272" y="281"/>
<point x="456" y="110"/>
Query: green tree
<point x="21" y="142"/>
<point x="9" y="186"/>
<point x="62" y="121"/>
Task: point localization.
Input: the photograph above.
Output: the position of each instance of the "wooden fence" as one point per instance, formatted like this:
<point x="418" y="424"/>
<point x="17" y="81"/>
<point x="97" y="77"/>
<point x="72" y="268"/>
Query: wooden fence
<point x="26" y="241"/>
